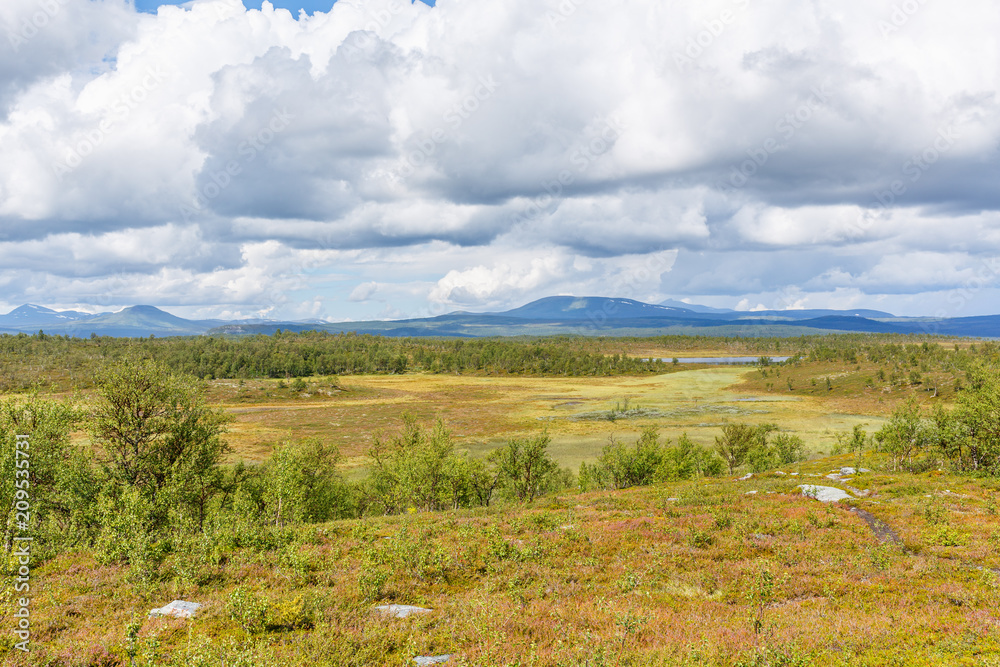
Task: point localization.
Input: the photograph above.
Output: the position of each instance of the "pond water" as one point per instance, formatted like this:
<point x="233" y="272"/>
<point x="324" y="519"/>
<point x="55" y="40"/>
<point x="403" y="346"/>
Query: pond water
<point x="724" y="360"/>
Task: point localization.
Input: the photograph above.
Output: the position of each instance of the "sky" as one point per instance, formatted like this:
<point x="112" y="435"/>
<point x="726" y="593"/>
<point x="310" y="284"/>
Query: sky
<point x="382" y="159"/>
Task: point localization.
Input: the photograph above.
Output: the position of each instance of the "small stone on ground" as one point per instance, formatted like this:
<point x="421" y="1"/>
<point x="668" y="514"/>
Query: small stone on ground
<point x="824" y="494"/>
<point x="401" y="610"/>
<point x="177" y="609"/>
<point x="432" y="659"/>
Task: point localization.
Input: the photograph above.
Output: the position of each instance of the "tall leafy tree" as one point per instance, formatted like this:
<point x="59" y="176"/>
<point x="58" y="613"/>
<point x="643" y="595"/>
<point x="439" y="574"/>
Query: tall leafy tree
<point x="905" y="435"/>
<point x="525" y="466"/>
<point x="303" y="483"/>
<point x="736" y="442"/>
<point x="152" y="427"/>
<point x="978" y="410"/>
<point x="49" y="471"/>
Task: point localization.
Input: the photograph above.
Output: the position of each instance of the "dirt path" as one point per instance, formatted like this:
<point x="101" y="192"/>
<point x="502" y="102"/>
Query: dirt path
<point x="886" y="534"/>
<point x="882" y="530"/>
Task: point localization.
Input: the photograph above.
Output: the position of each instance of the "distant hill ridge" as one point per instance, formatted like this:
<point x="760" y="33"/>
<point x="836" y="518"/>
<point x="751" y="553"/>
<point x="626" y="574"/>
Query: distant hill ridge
<point x="554" y="315"/>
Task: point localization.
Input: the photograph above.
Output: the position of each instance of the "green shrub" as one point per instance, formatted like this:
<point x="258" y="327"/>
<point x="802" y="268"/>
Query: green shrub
<point x="946" y="536"/>
<point x="248" y="610"/>
<point x="371" y="584"/>
<point x="297" y="613"/>
<point x="788" y="448"/>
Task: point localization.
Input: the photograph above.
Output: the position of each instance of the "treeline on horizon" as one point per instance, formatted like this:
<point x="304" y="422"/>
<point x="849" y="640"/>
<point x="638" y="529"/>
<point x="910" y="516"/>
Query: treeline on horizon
<point x="43" y="360"/>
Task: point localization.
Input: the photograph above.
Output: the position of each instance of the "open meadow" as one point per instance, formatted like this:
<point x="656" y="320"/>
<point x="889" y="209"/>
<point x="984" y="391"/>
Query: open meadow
<point x="716" y="572"/>
<point x="578" y="413"/>
<point x="327" y="496"/>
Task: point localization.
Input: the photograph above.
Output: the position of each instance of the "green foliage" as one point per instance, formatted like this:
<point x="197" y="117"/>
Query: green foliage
<point x="526" y="470"/>
<point x="152" y="428"/>
<point x="767" y="454"/>
<point x="49" y="473"/>
<point x="935" y="513"/>
<point x="978" y="413"/>
<point x="416" y="469"/>
<point x="741" y="443"/>
<point x="632" y="466"/>
<point x="759" y="594"/>
<point x="856" y="442"/>
<point x="776" y="657"/>
<point x="788" y="448"/>
<point x="629" y="623"/>
<point x="303" y="485"/>
<point x="126" y="534"/>
<point x="761" y="458"/>
<point x="647" y="461"/>
<point x="735" y="444"/>
<point x="700" y="539"/>
<point x="946" y="536"/>
<point x="904" y="436"/>
<point x="688" y="460"/>
<point x="248" y="609"/>
<point x="967" y="438"/>
<point x="296" y="613"/>
<point x="419" y="470"/>
<point x="371" y="584"/>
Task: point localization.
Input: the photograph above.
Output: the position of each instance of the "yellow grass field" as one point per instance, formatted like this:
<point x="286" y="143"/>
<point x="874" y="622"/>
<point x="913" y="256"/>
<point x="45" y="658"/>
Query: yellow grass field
<point x="481" y="412"/>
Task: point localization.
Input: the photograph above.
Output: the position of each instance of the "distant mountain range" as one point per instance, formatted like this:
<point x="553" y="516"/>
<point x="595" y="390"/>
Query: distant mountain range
<point x="556" y="315"/>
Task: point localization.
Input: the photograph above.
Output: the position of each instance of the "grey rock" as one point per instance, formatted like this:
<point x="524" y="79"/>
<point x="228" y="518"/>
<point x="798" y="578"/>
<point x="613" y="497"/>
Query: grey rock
<point x="177" y="609"/>
<point x="825" y="494"/>
<point x="401" y="610"/>
<point x="432" y="659"/>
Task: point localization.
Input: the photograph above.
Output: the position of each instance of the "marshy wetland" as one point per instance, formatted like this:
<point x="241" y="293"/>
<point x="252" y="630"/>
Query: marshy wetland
<point x="317" y="512"/>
